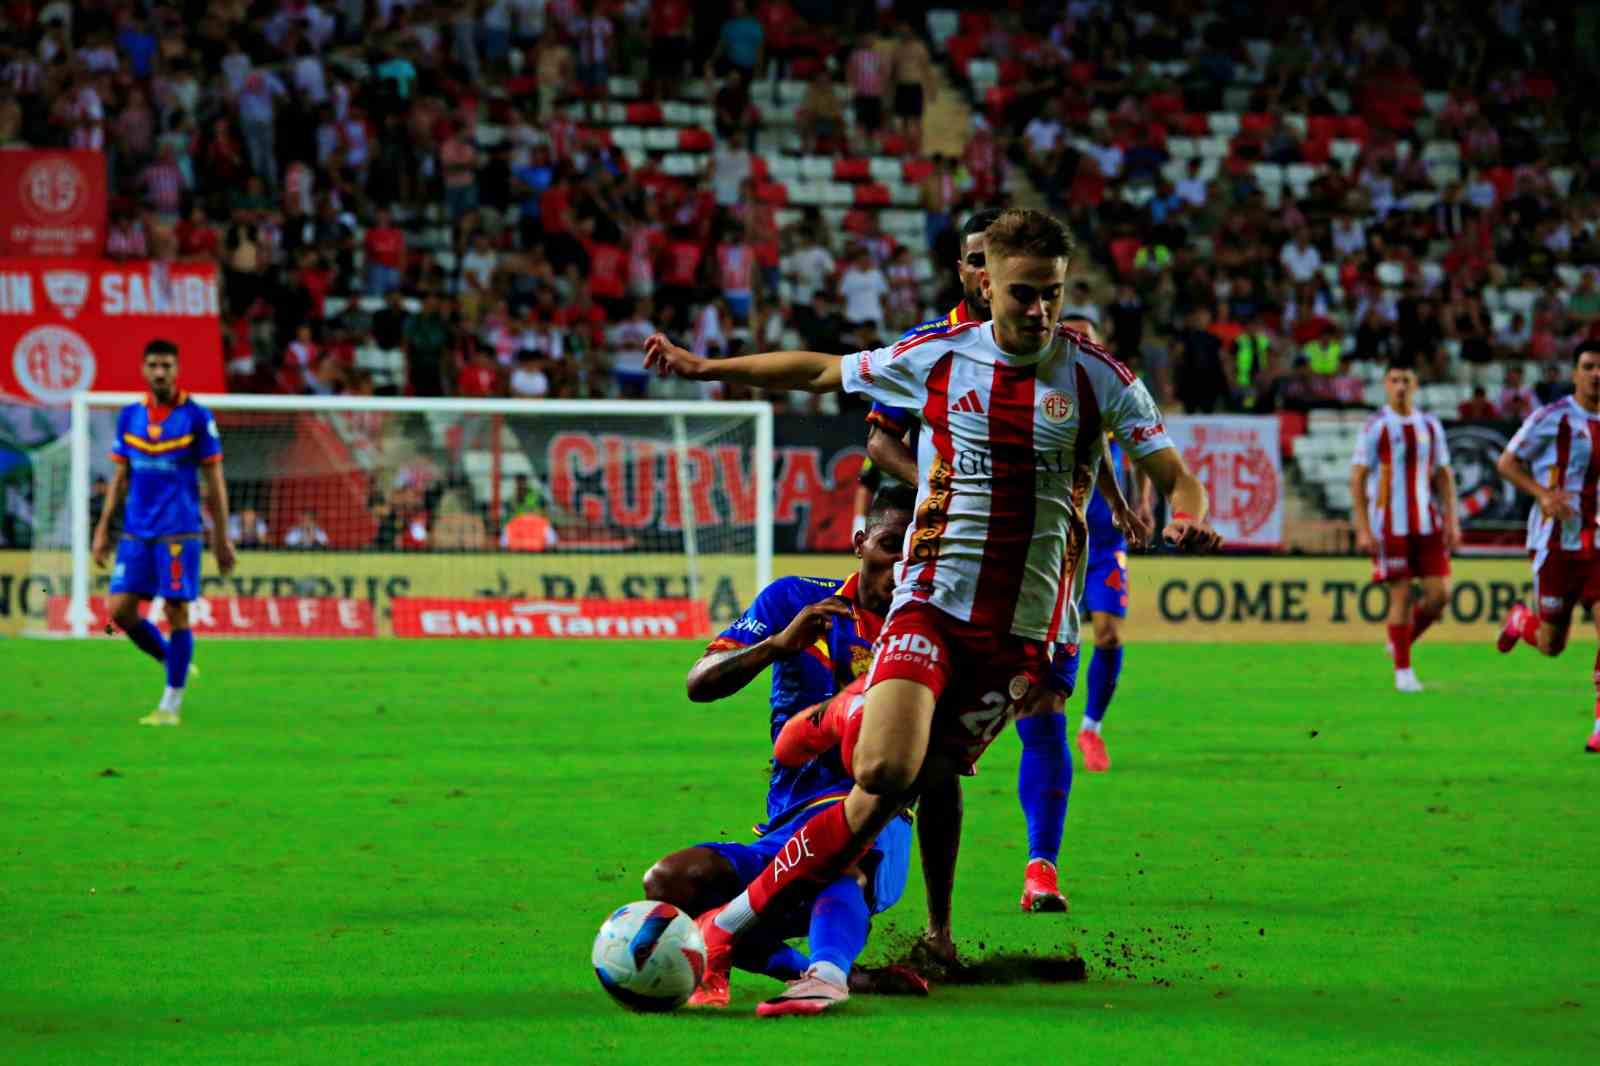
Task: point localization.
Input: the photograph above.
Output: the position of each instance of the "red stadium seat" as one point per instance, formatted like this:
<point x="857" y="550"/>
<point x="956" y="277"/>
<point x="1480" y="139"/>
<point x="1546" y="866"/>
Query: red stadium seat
<point x="857" y="221"/>
<point x="1315" y="151"/>
<point x="1323" y="127"/>
<point x="974" y="24"/>
<point x="997" y="100"/>
<point x="1255" y="122"/>
<point x="895" y="144"/>
<point x="772" y="192"/>
<point x="1195" y="124"/>
<point x="1354" y="127"/>
<point x="644" y="114"/>
<point x="963" y="50"/>
<point x="915" y="170"/>
<point x="806" y="67"/>
<point x="872" y="195"/>
<point x="850" y="170"/>
<point x="694" y="140"/>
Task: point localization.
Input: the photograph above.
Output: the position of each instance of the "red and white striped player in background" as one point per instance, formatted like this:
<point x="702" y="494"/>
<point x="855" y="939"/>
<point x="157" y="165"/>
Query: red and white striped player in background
<point x="1555" y="458"/>
<point x="1403" y="499"/>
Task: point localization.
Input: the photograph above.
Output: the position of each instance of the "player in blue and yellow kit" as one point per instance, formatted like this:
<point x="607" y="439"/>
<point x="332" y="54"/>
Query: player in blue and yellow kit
<point x="816" y="634"/>
<point x="164" y="444"/>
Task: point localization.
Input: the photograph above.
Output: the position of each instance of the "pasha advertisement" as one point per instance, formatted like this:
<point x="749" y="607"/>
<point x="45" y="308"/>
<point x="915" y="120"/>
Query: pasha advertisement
<point x="53" y="202"/>
<point x="68" y="325"/>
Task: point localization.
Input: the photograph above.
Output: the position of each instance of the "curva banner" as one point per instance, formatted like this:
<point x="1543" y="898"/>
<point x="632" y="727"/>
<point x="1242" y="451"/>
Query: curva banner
<point x="243" y="616"/>
<point x="585" y="619"/>
<point x="53" y="202"/>
<point x="73" y="324"/>
<point x="1236" y="457"/>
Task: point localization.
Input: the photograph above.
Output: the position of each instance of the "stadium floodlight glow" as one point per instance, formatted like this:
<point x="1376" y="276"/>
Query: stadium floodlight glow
<point x="651" y="500"/>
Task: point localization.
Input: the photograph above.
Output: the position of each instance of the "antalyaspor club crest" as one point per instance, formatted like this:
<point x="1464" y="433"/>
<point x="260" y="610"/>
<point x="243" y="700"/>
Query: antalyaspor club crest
<point x="53" y="190"/>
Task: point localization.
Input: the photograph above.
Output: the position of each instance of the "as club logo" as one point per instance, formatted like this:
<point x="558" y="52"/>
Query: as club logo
<point x="1056" y="406"/>
<point x="52" y="363"/>
<point x="53" y="190"/>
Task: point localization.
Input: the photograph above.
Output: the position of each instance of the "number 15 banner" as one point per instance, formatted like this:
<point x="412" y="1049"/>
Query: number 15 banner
<point x="1237" y="459"/>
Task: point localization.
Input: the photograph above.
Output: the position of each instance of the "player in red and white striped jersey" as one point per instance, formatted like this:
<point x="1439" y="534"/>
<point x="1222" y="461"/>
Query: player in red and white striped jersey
<point x="1555" y="458"/>
<point x="1016" y="410"/>
<point x="1403" y="497"/>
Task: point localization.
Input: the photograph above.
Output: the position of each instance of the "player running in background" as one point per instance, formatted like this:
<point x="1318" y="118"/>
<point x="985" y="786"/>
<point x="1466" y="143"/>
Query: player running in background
<point x="1403" y="499"/>
<point x="1112" y="524"/>
<point x="816" y="634"/>
<point x="164" y="444"/>
<point x="1015" y="412"/>
<point x="1555" y="458"/>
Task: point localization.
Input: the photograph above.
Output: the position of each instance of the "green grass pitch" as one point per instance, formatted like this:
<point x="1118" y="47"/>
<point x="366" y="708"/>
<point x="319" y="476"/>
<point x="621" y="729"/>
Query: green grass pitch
<point x="399" y="852"/>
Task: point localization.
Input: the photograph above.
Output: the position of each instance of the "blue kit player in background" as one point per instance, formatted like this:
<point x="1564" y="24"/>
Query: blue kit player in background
<point x="1044" y="778"/>
<point x="816" y="634"/>
<point x="1105" y="591"/>
<point x="164" y="445"/>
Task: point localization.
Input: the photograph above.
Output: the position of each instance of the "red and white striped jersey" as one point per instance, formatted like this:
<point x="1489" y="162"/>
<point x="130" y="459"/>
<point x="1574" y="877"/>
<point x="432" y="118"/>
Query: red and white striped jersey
<point x="1400" y="454"/>
<point x="1007" y="458"/>
<point x="1561" y="445"/>
<point x="867" y="70"/>
<point x="736" y="268"/>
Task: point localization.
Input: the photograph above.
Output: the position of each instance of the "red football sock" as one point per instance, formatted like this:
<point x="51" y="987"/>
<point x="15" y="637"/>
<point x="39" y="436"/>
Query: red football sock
<point x="1420" y="622"/>
<point x="1530" y="628"/>
<point x="1400" y="637"/>
<point x="810" y="733"/>
<point x="818" y="853"/>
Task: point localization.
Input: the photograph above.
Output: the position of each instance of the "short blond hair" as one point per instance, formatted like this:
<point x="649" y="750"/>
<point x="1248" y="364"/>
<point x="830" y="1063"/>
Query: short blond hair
<point x="1022" y="231"/>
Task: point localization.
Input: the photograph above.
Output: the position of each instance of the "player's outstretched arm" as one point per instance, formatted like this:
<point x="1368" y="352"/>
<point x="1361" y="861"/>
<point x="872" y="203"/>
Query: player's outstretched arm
<point x="719" y="674"/>
<point x="217" y="506"/>
<point x="102" y="530"/>
<point x="807" y="371"/>
<point x="1188" y="530"/>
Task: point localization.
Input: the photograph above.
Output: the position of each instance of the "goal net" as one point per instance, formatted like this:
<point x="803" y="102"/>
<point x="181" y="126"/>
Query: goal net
<point x="364" y="516"/>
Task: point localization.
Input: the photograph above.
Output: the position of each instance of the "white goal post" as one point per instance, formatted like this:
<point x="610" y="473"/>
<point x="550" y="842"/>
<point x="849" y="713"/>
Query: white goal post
<point x="650" y="500"/>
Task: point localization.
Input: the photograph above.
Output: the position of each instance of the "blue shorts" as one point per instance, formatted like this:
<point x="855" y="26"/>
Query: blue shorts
<point x="169" y="568"/>
<point x="1105" y="584"/>
<point x="887" y="863"/>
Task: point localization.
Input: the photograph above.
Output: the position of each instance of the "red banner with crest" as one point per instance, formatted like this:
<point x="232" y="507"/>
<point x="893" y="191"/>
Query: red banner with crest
<point x="53" y="202"/>
<point x="1236" y="458"/>
<point x="68" y="325"/>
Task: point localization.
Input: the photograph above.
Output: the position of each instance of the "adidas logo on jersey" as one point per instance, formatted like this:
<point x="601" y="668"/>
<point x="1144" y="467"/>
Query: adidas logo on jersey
<point x="971" y="403"/>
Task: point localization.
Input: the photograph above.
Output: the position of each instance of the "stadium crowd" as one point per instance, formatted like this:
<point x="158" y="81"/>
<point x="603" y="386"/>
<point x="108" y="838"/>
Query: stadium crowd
<point x="429" y="199"/>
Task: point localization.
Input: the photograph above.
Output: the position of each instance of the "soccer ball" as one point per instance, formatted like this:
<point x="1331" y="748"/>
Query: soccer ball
<point x="649" y="956"/>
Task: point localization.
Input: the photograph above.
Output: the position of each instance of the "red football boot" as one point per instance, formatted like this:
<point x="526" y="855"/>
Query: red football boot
<point x="1511" y="632"/>
<point x="1040" y="892"/>
<point x="713" y="988"/>
<point x="1593" y="747"/>
<point x="1093" y="747"/>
